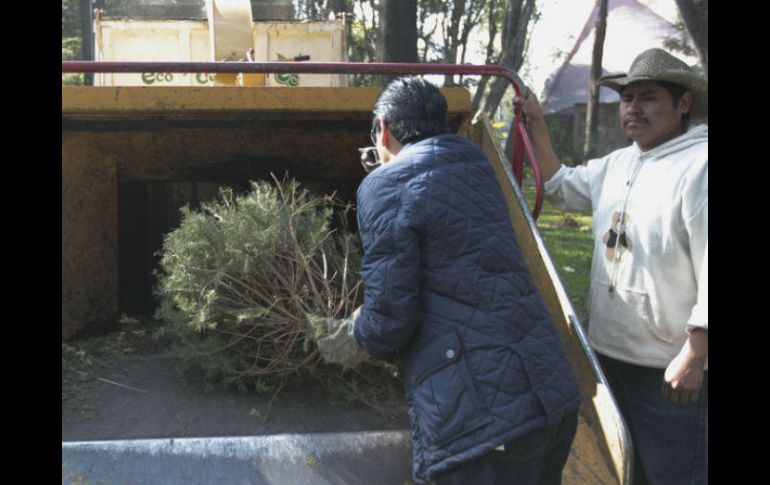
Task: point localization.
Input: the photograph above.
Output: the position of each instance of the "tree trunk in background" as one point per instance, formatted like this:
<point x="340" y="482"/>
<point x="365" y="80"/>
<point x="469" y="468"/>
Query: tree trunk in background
<point x="338" y="6"/>
<point x="398" y="28"/>
<point x="515" y="27"/>
<point x="592" y="116"/>
<point x="86" y="21"/>
<point x="469" y="22"/>
<point x="517" y="19"/>
<point x="452" y="39"/>
<point x="492" y="31"/>
<point x="695" y="14"/>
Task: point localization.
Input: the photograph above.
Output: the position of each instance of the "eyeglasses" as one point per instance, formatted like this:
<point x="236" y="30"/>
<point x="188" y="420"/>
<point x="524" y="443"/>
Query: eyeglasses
<point x="370" y="158"/>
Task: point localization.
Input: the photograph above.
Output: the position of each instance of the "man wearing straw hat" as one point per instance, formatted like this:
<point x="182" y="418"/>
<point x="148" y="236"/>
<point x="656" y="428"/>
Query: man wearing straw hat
<point x="649" y="275"/>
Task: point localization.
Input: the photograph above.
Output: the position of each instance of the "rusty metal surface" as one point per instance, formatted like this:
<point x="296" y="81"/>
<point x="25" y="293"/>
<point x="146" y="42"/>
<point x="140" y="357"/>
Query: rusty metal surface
<point x="199" y="135"/>
<point x="333" y="101"/>
<point x="211" y="154"/>
<point x="375" y="68"/>
<point x="167" y="133"/>
<point x="89" y="238"/>
<point x="519" y="133"/>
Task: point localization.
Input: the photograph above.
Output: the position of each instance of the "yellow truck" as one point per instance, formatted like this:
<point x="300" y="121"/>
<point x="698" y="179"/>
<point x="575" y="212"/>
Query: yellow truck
<point x="155" y="134"/>
<point x="133" y="153"/>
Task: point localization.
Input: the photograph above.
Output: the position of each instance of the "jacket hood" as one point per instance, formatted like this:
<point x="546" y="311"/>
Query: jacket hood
<point x="693" y="136"/>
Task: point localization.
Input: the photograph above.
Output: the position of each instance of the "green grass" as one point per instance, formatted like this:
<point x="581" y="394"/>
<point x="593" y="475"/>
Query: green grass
<point x="72" y="80"/>
<point x="569" y="240"/>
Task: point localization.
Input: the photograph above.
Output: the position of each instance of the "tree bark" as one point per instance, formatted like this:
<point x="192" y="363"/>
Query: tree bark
<point x="366" y="49"/>
<point x="592" y="118"/>
<point x="492" y="29"/>
<point x="451" y="41"/>
<point x="370" y="35"/>
<point x="423" y="15"/>
<point x="398" y="27"/>
<point x="517" y="19"/>
<point x="338" y="6"/>
<point x="475" y="8"/>
<point x="695" y="14"/>
<point x="86" y="26"/>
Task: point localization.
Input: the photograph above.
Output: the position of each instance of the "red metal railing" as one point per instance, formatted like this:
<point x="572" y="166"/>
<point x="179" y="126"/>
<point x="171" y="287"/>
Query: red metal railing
<point x="521" y="141"/>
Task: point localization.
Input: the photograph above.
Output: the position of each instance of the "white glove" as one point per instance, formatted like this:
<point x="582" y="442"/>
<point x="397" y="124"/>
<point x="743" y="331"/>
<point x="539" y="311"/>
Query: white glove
<point x="340" y="346"/>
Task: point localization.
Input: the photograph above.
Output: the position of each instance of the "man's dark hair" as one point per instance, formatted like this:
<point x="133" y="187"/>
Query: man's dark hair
<point x="413" y="109"/>
<point x="676" y="91"/>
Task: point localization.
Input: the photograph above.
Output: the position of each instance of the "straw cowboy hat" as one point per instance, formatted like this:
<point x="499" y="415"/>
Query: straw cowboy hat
<point x="659" y="65"/>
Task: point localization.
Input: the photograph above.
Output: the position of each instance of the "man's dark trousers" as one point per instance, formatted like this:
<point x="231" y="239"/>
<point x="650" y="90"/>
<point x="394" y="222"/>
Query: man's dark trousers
<point x="670" y="440"/>
<point x="536" y="458"/>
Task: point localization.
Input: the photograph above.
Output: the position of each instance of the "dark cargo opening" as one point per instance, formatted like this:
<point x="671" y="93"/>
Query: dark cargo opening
<point x="133" y="156"/>
<point x="149" y="210"/>
<point x="188" y="163"/>
<point x="150" y="197"/>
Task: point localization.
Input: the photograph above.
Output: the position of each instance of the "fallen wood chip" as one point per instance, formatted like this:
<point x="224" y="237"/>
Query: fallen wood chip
<point x="121" y="385"/>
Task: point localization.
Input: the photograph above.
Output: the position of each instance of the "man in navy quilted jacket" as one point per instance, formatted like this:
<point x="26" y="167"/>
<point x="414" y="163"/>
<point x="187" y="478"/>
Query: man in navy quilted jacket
<point x="490" y="394"/>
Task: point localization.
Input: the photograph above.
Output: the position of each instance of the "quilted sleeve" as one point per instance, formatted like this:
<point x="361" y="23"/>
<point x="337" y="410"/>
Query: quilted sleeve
<point x="390" y="267"/>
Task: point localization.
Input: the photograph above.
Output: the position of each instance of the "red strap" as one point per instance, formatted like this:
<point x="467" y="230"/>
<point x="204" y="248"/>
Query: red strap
<point x="517" y="160"/>
<point x="522" y="143"/>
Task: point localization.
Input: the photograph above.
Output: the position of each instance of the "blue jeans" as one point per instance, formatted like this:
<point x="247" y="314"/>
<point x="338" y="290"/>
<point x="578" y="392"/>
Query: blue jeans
<point x="536" y="458"/>
<point x="670" y="440"/>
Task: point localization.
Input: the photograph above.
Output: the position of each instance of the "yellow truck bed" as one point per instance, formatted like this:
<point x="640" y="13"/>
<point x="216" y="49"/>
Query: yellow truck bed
<point x="182" y="142"/>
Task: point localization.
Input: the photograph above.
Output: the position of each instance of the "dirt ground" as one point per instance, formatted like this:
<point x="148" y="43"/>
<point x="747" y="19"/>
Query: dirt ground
<point x="124" y="385"/>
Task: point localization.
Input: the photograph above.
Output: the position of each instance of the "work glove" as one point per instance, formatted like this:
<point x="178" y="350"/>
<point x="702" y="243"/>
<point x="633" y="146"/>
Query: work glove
<point x="340" y="345"/>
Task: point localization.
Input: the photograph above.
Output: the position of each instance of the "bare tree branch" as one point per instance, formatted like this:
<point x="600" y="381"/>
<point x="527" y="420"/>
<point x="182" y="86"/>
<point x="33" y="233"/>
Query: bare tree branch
<point x="517" y="22"/>
<point x="592" y="118"/>
<point x="695" y="14"/>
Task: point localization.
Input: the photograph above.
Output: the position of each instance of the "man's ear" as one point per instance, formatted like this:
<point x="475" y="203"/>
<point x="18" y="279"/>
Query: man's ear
<point x="385" y="131"/>
<point x="685" y="102"/>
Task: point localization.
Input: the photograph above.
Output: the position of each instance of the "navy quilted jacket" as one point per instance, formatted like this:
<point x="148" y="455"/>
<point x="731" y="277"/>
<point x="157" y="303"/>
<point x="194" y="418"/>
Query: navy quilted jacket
<point x="447" y="286"/>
